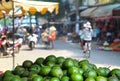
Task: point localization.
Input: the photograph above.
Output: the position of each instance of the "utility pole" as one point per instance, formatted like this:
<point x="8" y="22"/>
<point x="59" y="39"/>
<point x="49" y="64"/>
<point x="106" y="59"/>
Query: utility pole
<point x="13" y="15"/>
<point x="77" y="17"/>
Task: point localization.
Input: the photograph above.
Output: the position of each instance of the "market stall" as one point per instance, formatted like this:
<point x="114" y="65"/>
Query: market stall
<point x="107" y="19"/>
<point x="26" y="6"/>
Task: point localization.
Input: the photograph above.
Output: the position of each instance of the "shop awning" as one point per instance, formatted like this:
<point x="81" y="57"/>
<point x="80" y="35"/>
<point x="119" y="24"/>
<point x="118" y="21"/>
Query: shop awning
<point x="31" y="6"/>
<point x="104" y="11"/>
<point x="87" y="12"/>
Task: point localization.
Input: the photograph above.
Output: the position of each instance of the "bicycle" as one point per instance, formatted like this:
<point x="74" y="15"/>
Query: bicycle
<point x="87" y="49"/>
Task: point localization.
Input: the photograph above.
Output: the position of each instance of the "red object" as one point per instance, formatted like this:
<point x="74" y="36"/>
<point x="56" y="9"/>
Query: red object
<point x="1" y="72"/>
<point x="0" y="43"/>
<point x="50" y="38"/>
<point x="116" y="49"/>
<point x="16" y="45"/>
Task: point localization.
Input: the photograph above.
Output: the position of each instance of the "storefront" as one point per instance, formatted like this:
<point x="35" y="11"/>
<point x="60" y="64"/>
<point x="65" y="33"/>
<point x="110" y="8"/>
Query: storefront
<point x="106" y="17"/>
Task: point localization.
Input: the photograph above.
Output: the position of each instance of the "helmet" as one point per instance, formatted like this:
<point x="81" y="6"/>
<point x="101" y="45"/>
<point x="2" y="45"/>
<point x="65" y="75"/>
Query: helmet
<point x="87" y="25"/>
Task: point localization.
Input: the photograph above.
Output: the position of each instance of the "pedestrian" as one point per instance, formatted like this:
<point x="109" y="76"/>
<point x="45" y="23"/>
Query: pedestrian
<point x="87" y="31"/>
<point x="52" y="35"/>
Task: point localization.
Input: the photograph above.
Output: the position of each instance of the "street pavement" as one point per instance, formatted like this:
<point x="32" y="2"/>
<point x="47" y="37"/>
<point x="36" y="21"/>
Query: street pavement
<point x="67" y="49"/>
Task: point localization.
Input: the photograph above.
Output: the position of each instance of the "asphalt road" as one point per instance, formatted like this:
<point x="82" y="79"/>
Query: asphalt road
<point x="100" y="58"/>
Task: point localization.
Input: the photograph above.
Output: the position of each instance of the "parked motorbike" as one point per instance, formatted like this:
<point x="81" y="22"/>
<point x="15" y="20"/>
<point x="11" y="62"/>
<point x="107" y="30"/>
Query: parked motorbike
<point x="16" y="47"/>
<point x="32" y="40"/>
<point x="7" y="48"/>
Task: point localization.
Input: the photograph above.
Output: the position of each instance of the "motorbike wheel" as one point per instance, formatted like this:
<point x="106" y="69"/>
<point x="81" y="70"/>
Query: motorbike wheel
<point x="32" y="45"/>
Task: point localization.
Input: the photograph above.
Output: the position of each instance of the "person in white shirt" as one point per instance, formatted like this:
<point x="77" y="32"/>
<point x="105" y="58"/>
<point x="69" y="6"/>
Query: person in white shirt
<point x="87" y="31"/>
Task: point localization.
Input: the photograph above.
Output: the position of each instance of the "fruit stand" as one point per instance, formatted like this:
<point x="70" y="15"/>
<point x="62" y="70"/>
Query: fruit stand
<point x="59" y="68"/>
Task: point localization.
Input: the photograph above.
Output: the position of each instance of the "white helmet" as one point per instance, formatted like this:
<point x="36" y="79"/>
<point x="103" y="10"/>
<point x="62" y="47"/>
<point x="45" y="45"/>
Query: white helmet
<point x="87" y="25"/>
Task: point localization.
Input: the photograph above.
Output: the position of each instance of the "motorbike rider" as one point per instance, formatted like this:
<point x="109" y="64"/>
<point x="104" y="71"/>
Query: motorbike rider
<point x="87" y="32"/>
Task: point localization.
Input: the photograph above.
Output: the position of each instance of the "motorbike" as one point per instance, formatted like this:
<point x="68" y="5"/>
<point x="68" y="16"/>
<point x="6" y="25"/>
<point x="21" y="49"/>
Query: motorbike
<point x="8" y="47"/>
<point x="32" y="40"/>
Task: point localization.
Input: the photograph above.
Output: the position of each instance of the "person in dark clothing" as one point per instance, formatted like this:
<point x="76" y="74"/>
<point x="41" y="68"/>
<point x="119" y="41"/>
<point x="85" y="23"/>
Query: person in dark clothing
<point x="31" y="30"/>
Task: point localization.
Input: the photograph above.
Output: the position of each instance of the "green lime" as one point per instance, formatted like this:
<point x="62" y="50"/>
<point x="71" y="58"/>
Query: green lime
<point x="60" y="60"/>
<point x="90" y="79"/>
<point x="39" y="61"/>
<point x="101" y="78"/>
<point x="7" y="78"/>
<point x="19" y="70"/>
<point x="113" y="78"/>
<point x="8" y="73"/>
<point x="67" y="63"/>
<point x="35" y="68"/>
<point x="50" y="63"/>
<point x="90" y="73"/>
<point x="45" y="70"/>
<point x="76" y="77"/>
<point x="116" y="72"/>
<point x="27" y="63"/>
<point x="56" y="71"/>
<point x="76" y="63"/>
<point x="50" y="58"/>
<point x="83" y="62"/>
<point x="54" y="79"/>
<point x="65" y="78"/>
<point x="37" y="78"/>
<point x="101" y="72"/>
<point x="72" y="70"/>
<point x="16" y="78"/>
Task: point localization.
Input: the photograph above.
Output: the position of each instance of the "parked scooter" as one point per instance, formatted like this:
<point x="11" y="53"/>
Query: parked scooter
<point x="6" y="47"/>
<point x="32" y="40"/>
